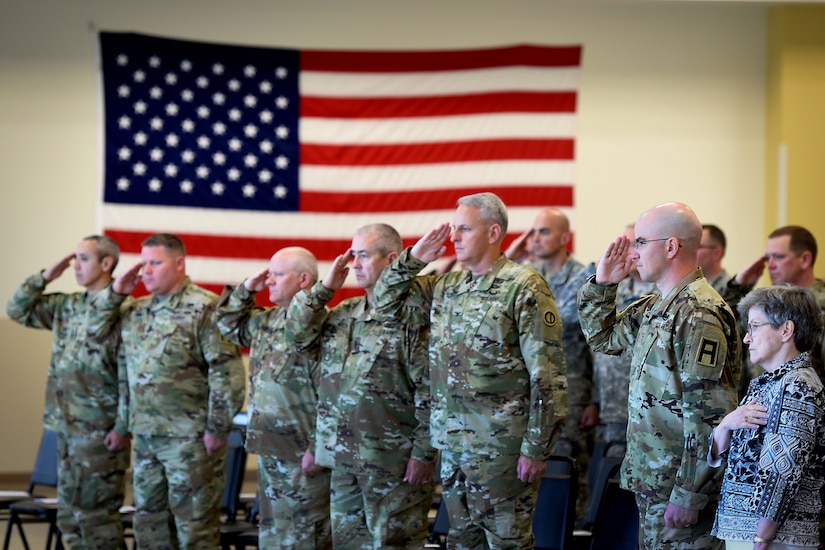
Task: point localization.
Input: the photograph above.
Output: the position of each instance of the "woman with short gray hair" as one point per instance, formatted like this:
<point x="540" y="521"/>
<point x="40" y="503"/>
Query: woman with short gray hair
<point x="773" y="440"/>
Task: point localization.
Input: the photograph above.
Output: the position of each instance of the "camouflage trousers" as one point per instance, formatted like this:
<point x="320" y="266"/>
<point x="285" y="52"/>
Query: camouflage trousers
<point x="487" y="504"/>
<point x="654" y="535"/>
<point x="373" y="508"/>
<point x="294" y="508"/>
<point x="177" y="493"/>
<point x="90" y="488"/>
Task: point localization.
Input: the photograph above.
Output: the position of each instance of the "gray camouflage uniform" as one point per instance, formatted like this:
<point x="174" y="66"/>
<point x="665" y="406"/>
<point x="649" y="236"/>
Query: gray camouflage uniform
<point x="495" y="363"/>
<point x="684" y="373"/>
<point x="84" y="401"/>
<point x="294" y="508"/>
<point x="575" y="441"/>
<point x="611" y="374"/>
<point x="184" y="380"/>
<point x="373" y="416"/>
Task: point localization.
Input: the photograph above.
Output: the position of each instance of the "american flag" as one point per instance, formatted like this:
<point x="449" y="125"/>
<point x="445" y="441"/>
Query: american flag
<point x="243" y="150"/>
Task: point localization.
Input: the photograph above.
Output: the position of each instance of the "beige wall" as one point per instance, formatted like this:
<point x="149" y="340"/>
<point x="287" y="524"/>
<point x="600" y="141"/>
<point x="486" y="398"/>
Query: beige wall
<point x="672" y="108"/>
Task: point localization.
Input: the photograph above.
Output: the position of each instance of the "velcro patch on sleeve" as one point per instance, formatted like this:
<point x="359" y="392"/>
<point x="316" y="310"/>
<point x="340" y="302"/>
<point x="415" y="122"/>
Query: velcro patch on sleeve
<point x="708" y="352"/>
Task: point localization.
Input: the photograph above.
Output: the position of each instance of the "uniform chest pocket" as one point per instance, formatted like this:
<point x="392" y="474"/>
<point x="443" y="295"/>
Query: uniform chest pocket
<point x="652" y="366"/>
<point x="180" y="343"/>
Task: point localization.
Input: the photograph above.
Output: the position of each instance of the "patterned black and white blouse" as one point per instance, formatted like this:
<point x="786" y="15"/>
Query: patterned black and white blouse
<point x="776" y="471"/>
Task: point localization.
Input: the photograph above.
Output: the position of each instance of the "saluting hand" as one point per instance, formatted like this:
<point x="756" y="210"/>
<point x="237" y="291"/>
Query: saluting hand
<point x="518" y="249"/>
<point x="616" y="262"/>
<point x="257" y="282"/>
<point x="128" y="281"/>
<point x="431" y="246"/>
<point x="56" y="269"/>
<point x="338" y="271"/>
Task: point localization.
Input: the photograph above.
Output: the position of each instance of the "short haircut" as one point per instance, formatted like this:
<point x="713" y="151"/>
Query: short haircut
<point x="171" y="243"/>
<point x="716" y="234"/>
<point x="387" y="239"/>
<point x="788" y="302"/>
<point x="802" y="240"/>
<point x="302" y="260"/>
<point x="491" y="207"/>
<point x="106" y="246"/>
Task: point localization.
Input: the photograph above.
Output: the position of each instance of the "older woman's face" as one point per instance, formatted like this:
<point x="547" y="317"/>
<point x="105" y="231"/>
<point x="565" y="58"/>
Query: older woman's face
<point x="763" y="339"/>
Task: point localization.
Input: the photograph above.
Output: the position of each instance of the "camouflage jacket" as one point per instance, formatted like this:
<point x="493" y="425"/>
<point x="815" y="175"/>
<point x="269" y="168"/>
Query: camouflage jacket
<point x="84" y="395"/>
<point x="373" y="397"/>
<point x="185" y="379"/>
<point x="496" y="360"/>
<point x="683" y="380"/>
<point x="578" y="356"/>
<point x="282" y="380"/>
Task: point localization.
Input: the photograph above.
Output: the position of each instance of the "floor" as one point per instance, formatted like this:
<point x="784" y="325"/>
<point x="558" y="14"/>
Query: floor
<point x="36" y="533"/>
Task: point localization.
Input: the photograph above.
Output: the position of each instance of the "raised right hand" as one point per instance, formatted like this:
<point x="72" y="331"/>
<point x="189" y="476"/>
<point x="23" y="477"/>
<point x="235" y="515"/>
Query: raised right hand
<point x="431" y="246"/>
<point x="616" y="262"/>
<point x="257" y="282"/>
<point x="127" y="281"/>
<point x="56" y="269"/>
<point x="338" y="272"/>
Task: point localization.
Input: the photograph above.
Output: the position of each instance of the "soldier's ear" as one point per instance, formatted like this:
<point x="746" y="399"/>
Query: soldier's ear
<point x="107" y="263"/>
<point x="495" y="233"/>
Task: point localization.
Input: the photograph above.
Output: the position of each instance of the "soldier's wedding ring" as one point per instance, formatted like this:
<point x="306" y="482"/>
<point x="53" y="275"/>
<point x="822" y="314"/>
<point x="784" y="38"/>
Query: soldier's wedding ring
<point x="748" y="419"/>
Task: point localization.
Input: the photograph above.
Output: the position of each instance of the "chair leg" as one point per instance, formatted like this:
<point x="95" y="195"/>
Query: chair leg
<point x="56" y="535"/>
<point x="14" y="520"/>
<point x="7" y="538"/>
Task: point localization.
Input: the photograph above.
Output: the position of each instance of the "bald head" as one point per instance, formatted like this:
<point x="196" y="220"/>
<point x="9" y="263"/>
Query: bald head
<point x="298" y="259"/>
<point x="673" y="219"/>
<point x="554" y="218"/>
<point x="550" y="238"/>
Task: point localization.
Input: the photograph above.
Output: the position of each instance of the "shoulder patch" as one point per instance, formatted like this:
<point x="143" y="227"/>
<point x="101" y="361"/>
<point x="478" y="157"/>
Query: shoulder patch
<point x="708" y="352"/>
<point x="549" y="318"/>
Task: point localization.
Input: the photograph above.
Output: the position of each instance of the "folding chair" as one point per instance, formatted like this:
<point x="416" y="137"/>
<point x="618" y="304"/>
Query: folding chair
<point x="556" y="504"/>
<point x="232" y="527"/>
<point x="440" y="528"/>
<point x="34" y="509"/>
<point x="617" y="523"/>
<point x="608" y="468"/>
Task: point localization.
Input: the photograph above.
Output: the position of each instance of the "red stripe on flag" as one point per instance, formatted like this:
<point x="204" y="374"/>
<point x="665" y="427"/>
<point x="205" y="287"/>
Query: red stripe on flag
<point x="401" y="107"/>
<point x="435" y="199"/>
<point x="429" y="61"/>
<point x="239" y="247"/>
<point x="430" y="153"/>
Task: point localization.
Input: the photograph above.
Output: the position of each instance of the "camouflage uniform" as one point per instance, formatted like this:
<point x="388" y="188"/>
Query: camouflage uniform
<point x="495" y="363"/>
<point x="611" y="374"/>
<point x="184" y="380"/>
<point x="684" y="373"/>
<point x="83" y="403"/>
<point x="294" y="509"/>
<point x="373" y="416"/>
<point x="575" y="441"/>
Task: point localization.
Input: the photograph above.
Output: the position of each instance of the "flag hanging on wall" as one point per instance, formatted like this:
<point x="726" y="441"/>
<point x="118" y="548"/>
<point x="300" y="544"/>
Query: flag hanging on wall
<point x="244" y="150"/>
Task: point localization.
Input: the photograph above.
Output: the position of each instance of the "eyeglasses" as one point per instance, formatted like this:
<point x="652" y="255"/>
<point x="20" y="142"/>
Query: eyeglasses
<point x="640" y="242"/>
<point x="753" y="326"/>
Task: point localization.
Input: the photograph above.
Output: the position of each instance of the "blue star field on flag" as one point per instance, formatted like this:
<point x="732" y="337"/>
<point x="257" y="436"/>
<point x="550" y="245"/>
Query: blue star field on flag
<point x="200" y="125"/>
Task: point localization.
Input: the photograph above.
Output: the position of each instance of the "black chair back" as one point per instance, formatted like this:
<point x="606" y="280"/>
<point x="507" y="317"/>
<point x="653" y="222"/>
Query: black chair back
<point x="556" y="504"/>
<point x="617" y="523"/>
<point x="234" y="474"/>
